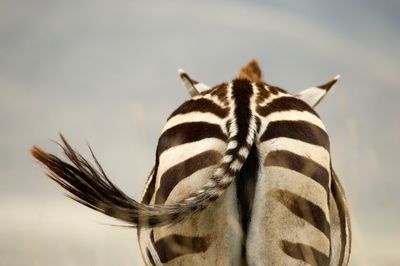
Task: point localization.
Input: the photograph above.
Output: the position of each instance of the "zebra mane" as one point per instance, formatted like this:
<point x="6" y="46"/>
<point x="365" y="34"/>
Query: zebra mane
<point x="251" y="71"/>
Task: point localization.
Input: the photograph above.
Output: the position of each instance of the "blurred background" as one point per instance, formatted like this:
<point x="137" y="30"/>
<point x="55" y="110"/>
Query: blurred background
<point x="104" y="72"/>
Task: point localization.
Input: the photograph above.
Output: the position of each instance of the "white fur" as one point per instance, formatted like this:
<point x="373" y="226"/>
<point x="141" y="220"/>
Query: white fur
<point x="232" y="144"/>
<point x="312" y="95"/>
<point x="294" y="115"/>
<point x="314" y="152"/>
<point x="272" y="222"/>
<point x="300" y="185"/>
<point x="201" y="87"/>
<point x="236" y="165"/>
<point x="244" y="152"/>
<point x="193" y="117"/>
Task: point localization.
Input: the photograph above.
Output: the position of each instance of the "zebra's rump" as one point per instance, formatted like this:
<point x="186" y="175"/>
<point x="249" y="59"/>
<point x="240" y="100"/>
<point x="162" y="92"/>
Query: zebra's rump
<point x="217" y="235"/>
<point x="283" y="185"/>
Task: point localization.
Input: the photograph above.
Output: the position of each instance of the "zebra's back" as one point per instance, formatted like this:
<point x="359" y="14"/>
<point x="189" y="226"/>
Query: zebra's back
<point x="278" y="210"/>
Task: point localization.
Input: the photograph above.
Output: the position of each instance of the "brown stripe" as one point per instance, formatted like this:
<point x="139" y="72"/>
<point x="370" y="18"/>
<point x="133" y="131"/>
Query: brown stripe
<point x="299" y="164"/>
<point x="262" y="93"/>
<point x="173" y="246"/>
<point x="241" y="158"/>
<point x="304" y="209"/>
<point x="178" y="172"/>
<point x="258" y="123"/>
<point x="221" y="93"/>
<point x="275" y="90"/>
<point x="188" y="132"/>
<point x="299" y="130"/>
<point x="201" y="105"/>
<point x="285" y="104"/>
<point x="305" y="253"/>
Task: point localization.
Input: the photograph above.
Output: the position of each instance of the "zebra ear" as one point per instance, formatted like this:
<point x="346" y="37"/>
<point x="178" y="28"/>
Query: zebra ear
<point x="193" y="87"/>
<point x="312" y="96"/>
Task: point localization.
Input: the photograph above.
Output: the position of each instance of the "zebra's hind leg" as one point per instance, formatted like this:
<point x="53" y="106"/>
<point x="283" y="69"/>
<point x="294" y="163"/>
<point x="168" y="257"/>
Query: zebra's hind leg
<point x="340" y="224"/>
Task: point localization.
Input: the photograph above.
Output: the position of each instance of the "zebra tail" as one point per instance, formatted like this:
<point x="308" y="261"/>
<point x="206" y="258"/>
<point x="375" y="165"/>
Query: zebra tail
<point x="90" y="186"/>
<point x="232" y="161"/>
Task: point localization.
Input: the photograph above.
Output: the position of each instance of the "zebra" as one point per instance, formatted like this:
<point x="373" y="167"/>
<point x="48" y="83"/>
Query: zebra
<point x="242" y="176"/>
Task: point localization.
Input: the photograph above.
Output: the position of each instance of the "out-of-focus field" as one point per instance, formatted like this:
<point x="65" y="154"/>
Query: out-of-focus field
<point x="59" y="232"/>
<point x="105" y="72"/>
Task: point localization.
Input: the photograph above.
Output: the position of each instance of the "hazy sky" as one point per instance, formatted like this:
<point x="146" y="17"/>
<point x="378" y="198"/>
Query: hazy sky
<point x="104" y="72"/>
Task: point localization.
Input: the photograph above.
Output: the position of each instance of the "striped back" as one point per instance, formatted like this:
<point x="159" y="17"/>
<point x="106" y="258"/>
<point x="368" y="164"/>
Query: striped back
<point x="251" y="71"/>
<point x="278" y="209"/>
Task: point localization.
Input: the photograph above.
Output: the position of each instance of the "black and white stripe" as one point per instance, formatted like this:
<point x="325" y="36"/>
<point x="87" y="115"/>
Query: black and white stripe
<point x="270" y="144"/>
